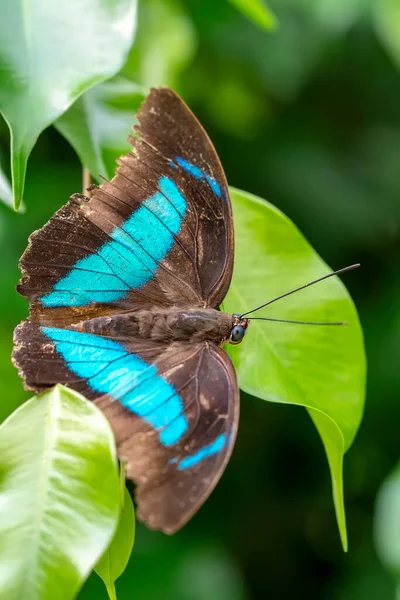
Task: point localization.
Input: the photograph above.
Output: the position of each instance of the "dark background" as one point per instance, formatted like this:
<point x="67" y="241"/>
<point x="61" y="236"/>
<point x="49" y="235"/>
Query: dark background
<point x="307" y="117"/>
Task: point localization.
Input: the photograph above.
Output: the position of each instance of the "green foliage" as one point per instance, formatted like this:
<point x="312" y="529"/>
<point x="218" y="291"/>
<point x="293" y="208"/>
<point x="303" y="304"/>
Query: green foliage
<point x="58" y="487"/>
<point x="51" y="54"/>
<point x="113" y="562"/>
<point x="115" y="559"/>
<point x="321" y="368"/>
<point x="97" y="124"/>
<point x="257" y="11"/>
<point x="304" y="118"/>
<point x="387" y="524"/>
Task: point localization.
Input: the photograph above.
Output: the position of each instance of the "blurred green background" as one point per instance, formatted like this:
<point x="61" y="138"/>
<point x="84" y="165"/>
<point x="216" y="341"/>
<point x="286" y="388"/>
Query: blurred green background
<point x="308" y="117"/>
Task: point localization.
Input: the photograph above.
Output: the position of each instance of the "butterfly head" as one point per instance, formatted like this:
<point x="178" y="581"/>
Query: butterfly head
<point x="239" y="329"/>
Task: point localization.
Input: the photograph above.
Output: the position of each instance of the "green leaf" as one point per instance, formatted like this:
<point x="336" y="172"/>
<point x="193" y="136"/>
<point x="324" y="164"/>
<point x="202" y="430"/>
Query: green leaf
<point x="258" y="12"/>
<point x="59" y="495"/>
<point x="50" y="53"/>
<point x="99" y="122"/>
<point x="321" y="368"/>
<point x="386" y="16"/>
<point x="113" y="562"/>
<point x="387" y="523"/>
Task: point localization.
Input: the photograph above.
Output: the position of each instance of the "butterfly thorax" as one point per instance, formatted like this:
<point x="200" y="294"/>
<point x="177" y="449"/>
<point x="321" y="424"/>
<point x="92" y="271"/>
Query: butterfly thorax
<point x="164" y="325"/>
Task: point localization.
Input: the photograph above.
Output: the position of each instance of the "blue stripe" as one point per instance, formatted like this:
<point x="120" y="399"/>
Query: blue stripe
<point x="109" y="369"/>
<point x="130" y="259"/>
<point x="199" y="174"/>
<point x="213" y="448"/>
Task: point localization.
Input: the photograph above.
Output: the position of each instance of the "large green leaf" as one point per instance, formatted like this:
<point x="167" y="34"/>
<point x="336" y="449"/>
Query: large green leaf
<point x="321" y="368"/>
<point x="59" y="495"/>
<point x="50" y="53"/>
<point x="257" y="11"/>
<point x="387" y="524"/>
<point x="98" y="123"/>
<point x="114" y="560"/>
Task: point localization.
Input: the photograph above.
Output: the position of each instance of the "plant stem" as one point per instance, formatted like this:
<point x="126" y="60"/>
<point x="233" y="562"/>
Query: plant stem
<point x="86" y="181"/>
<point x="112" y="594"/>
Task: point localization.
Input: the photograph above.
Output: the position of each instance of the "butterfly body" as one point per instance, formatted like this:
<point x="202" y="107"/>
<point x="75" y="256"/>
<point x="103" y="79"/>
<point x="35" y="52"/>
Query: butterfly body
<point x="165" y="325"/>
<point x="124" y="288"/>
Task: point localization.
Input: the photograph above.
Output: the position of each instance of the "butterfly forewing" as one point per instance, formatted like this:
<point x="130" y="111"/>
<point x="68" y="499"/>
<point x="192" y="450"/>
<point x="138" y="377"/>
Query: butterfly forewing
<point x="159" y="233"/>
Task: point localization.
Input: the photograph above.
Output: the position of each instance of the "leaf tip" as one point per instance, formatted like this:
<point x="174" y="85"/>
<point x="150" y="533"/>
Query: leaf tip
<point x="344" y="540"/>
<point x="18" y="172"/>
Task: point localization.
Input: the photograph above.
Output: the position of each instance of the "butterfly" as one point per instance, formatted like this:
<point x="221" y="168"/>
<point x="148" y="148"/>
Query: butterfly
<point x="124" y="288"/>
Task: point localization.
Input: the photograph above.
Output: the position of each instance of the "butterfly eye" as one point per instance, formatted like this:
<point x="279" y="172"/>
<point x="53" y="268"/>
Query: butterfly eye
<point x="237" y="334"/>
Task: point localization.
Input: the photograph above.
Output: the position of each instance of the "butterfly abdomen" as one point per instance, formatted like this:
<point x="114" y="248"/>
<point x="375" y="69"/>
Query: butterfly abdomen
<point x="163" y="325"/>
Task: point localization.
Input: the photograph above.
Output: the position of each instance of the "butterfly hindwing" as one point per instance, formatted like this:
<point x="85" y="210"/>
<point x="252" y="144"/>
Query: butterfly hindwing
<point x="160" y="232"/>
<point x="174" y="409"/>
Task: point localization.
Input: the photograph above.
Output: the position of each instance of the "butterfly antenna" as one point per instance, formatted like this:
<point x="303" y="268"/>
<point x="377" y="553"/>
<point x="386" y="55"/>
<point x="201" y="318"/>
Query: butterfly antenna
<point x="299" y="322"/>
<point x="302" y="287"/>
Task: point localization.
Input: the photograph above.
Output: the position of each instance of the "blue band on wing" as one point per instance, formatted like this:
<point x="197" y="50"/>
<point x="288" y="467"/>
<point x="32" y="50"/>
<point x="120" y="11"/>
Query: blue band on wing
<point x="209" y="450"/>
<point x="199" y="174"/>
<point x="132" y="256"/>
<point x="108" y="368"/>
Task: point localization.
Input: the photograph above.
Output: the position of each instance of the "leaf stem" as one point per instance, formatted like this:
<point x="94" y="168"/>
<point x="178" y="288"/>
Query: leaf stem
<point x="112" y="594"/>
<point x="86" y="181"/>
